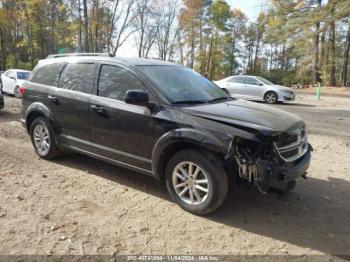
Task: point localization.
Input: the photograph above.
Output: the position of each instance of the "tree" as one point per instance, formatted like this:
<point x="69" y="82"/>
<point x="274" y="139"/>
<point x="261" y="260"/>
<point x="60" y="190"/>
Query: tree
<point x="86" y="27"/>
<point x="165" y="14"/>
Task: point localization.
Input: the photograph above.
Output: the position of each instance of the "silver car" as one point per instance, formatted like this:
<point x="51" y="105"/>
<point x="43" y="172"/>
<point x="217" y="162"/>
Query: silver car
<point x="255" y="88"/>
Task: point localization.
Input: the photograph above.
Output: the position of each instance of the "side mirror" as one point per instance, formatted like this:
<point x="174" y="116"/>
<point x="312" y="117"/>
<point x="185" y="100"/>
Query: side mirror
<point x="136" y="97"/>
<point x="12" y="77"/>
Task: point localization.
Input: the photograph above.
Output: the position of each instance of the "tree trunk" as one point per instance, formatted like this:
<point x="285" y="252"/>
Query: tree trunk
<point x="283" y="62"/>
<point x="2" y="51"/>
<point x="86" y="27"/>
<point x="332" y="78"/>
<point x="192" y="50"/>
<point x="256" y="52"/>
<point x="317" y="75"/>
<point x="80" y="30"/>
<point x="206" y="74"/>
<point x="344" y="75"/>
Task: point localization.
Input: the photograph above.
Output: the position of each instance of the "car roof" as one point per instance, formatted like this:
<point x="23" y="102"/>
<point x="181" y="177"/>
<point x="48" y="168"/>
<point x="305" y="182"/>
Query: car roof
<point x="18" y="70"/>
<point x="132" y="61"/>
<point x="243" y="75"/>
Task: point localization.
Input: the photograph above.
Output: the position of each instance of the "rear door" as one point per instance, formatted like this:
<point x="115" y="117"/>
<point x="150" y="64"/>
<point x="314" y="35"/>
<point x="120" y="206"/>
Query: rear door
<point x="253" y="88"/>
<point x="120" y="131"/>
<point x="69" y="103"/>
<point x="235" y="85"/>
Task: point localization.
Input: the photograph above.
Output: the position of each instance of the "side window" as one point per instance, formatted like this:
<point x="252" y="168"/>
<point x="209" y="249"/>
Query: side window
<point x="251" y="81"/>
<point x="237" y="79"/>
<point x="78" y="77"/>
<point x="115" y="81"/>
<point x="47" y="74"/>
<point x="12" y="75"/>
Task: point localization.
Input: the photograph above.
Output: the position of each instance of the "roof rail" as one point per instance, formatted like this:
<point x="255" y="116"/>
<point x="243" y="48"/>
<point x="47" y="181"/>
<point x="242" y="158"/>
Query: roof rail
<point x="79" y="54"/>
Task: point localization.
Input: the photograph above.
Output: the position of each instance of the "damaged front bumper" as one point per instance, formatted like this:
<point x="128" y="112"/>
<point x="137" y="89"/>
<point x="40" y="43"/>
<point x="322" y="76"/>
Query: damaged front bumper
<point x="282" y="177"/>
<point x="264" y="166"/>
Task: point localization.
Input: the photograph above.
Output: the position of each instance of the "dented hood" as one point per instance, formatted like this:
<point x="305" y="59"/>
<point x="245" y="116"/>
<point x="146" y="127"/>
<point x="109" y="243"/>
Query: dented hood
<point x="263" y="118"/>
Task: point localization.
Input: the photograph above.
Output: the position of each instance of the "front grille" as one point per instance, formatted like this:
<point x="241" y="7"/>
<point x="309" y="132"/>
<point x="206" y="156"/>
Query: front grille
<point x="292" y="145"/>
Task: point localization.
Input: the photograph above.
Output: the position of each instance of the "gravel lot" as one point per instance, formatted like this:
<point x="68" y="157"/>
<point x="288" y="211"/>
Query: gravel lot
<point x="78" y="205"/>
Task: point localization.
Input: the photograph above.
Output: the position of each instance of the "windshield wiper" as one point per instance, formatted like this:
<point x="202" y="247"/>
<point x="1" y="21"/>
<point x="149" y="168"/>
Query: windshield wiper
<point x="191" y="102"/>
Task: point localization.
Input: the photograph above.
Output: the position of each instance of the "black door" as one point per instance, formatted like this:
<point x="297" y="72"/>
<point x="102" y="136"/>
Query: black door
<point x="70" y="103"/>
<point x="120" y="131"/>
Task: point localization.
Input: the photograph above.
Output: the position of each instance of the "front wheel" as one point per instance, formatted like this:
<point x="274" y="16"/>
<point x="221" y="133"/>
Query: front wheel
<point x="196" y="181"/>
<point x="271" y="97"/>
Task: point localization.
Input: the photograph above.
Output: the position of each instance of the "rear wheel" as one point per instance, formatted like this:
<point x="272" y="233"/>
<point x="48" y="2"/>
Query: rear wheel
<point x="16" y="92"/>
<point x="271" y="97"/>
<point x="43" y="140"/>
<point x="196" y="181"/>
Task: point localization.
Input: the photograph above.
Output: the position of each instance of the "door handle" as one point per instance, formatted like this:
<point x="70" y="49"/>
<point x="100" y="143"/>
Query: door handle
<point x="98" y="109"/>
<point x="52" y="99"/>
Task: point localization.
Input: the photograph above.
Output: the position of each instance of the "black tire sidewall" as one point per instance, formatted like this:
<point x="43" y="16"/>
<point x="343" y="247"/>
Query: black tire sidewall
<point x="215" y="174"/>
<point x="52" y="148"/>
<point x="276" y="97"/>
<point x="14" y="92"/>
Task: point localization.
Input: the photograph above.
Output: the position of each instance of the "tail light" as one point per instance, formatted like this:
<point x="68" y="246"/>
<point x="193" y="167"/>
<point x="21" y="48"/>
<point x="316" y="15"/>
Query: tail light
<point x="21" y="90"/>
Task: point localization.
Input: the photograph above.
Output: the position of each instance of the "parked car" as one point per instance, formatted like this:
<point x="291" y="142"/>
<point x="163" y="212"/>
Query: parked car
<point x="163" y="120"/>
<point x="1" y="73"/>
<point x="1" y="101"/>
<point x="255" y="88"/>
<point x="13" y="80"/>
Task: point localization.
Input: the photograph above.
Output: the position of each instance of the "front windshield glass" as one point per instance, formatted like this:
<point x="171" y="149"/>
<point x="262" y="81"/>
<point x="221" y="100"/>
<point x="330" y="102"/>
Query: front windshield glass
<point x="23" y="75"/>
<point x="183" y="85"/>
<point x="266" y="82"/>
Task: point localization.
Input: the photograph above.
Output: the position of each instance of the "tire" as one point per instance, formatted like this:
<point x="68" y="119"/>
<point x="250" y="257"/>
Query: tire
<point x="16" y="92"/>
<point x="271" y="97"/>
<point x="48" y="150"/>
<point x="210" y="170"/>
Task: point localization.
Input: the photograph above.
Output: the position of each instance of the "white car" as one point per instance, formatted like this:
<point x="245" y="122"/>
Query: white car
<point x="12" y="80"/>
<point x="255" y="88"/>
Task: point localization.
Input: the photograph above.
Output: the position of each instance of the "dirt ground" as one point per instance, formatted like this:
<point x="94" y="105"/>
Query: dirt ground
<point x="326" y="90"/>
<point x="78" y="205"/>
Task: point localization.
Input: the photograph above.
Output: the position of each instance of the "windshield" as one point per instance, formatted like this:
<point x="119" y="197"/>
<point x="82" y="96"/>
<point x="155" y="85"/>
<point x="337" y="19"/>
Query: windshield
<point x="23" y="75"/>
<point x="183" y="85"/>
<point x="266" y="82"/>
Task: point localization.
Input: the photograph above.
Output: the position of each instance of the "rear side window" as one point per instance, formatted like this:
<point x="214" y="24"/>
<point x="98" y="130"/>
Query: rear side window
<point x="115" y="81"/>
<point x="47" y="74"/>
<point x="236" y="80"/>
<point x="78" y="77"/>
<point x="23" y="75"/>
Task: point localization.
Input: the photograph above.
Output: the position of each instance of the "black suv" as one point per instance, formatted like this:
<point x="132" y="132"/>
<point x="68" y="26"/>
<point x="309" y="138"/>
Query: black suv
<point x="166" y="121"/>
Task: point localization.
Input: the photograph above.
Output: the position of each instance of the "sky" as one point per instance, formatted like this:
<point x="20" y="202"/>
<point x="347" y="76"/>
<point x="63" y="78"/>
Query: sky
<point x="250" y="7"/>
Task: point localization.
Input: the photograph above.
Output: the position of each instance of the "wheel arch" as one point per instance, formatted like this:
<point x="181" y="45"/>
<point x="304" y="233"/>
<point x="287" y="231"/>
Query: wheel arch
<point x="270" y="91"/>
<point x="180" y="139"/>
<point x="39" y="110"/>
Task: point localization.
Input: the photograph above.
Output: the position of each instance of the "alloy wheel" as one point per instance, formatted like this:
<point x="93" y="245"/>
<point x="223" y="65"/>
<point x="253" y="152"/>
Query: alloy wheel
<point x="41" y="139"/>
<point x="190" y="183"/>
<point x="270" y="98"/>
